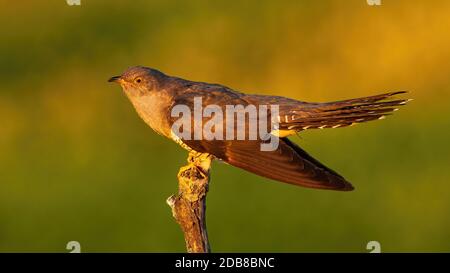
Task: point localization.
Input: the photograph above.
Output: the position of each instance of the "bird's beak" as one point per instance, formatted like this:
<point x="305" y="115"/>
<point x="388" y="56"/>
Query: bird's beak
<point x="116" y="79"/>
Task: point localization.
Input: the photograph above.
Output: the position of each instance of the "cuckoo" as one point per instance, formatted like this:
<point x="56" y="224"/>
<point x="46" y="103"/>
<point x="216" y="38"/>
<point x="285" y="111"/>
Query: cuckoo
<point x="155" y="94"/>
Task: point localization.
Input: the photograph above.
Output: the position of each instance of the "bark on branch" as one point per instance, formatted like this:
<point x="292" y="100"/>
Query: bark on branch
<point x="189" y="205"/>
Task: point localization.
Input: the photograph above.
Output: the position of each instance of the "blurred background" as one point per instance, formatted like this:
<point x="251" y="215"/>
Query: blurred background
<point x="76" y="162"/>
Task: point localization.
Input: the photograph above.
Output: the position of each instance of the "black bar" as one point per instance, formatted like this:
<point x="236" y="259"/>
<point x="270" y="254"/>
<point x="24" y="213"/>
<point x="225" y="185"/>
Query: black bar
<point x="225" y="262"/>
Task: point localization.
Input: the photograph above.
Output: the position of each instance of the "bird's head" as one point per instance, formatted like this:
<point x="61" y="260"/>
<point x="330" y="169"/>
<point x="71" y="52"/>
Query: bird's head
<point x="139" y="80"/>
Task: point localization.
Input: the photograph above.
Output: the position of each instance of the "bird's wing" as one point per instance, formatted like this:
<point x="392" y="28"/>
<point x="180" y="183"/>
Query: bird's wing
<point x="288" y="163"/>
<point x="211" y="95"/>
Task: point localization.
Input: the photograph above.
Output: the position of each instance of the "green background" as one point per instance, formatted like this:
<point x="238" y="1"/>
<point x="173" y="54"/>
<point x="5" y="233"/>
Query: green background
<point x="76" y="162"/>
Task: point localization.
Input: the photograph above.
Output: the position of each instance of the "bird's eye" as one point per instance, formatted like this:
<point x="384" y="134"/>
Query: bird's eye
<point x="138" y="80"/>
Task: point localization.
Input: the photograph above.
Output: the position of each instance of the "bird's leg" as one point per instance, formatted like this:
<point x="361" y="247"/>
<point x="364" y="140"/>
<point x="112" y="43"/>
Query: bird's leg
<point x="198" y="164"/>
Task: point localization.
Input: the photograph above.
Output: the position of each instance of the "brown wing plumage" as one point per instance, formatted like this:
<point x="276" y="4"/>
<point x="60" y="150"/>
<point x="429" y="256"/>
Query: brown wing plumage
<point x="289" y="163"/>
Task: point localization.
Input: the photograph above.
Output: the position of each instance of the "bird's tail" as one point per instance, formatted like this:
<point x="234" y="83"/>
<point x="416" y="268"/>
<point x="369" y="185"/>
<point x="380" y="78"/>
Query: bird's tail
<point x="347" y="112"/>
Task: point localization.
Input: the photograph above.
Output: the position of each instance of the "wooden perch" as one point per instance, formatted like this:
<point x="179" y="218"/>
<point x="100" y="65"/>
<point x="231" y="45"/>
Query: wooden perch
<point x="189" y="205"/>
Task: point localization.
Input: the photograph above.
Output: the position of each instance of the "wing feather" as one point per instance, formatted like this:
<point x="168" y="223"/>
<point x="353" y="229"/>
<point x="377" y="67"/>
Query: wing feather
<point x="289" y="163"/>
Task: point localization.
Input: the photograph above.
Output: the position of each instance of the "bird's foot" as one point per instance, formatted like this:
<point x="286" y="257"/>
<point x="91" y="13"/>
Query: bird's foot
<point x="191" y="171"/>
<point x="198" y="166"/>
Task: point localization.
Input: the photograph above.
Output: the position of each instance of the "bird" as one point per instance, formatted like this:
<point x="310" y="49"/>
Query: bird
<point x="154" y="95"/>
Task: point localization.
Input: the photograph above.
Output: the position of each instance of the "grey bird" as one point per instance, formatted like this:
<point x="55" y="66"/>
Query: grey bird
<point x="154" y="94"/>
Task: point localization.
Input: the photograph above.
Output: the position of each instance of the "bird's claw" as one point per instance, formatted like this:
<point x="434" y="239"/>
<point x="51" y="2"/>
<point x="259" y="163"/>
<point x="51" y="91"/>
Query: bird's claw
<point x="192" y="170"/>
<point x="198" y="166"/>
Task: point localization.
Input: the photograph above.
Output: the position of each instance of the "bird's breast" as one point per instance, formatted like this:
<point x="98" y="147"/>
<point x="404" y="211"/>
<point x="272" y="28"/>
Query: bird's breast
<point x="152" y="109"/>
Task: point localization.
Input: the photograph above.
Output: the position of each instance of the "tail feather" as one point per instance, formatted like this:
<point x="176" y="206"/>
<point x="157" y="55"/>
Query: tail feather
<point x="370" y="99"/>
<point x="343" y="113"/>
